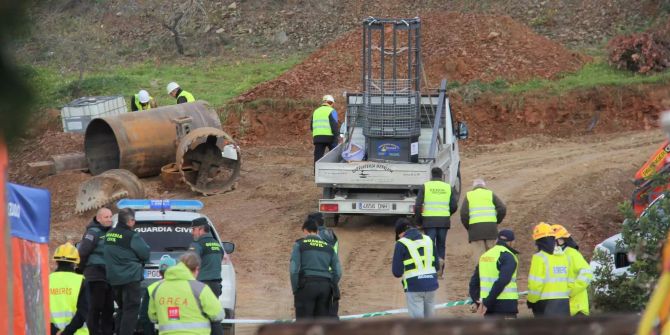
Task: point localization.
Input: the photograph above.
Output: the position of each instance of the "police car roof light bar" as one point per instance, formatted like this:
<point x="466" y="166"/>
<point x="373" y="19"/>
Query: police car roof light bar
<point x="161" y="205"/>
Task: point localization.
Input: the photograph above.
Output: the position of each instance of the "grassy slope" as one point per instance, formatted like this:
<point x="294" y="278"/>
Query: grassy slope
<point x="216" y="82"/>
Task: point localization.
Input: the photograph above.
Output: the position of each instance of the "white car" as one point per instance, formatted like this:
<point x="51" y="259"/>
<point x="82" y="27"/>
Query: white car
<point x="166" y="226"/>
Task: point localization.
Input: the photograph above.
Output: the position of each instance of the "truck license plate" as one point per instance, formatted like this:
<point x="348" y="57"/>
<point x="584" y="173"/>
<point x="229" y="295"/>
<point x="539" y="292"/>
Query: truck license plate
<point x="151" y="274"/>
<point x="374" y="205"/>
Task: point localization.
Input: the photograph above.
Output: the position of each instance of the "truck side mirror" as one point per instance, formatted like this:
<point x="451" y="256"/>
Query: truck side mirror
<point x="462" y="131"/>
<point x="228" y="247"/>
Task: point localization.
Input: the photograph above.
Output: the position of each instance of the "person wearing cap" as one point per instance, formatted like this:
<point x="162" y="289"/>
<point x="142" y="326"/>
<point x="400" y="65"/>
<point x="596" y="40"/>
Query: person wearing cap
<point x="548" y="287"/>
<point x="68" y="299"/>
<point x="328" y="235"/>
<point x="125" y="254"/>
<point x="142" y="101"/>
<point x="147" y="326"/>
<point x="434" y="205"/>
<point x="481" y="213"/>
<point x="579" y="272"/>
<point x="415" y="261"/>
<point x="314" y="270"/>
<point x="493" y="284"/>
<point x="210" y="252"/>
<point x="175" y="91"/>
<point x="325" y="131"/>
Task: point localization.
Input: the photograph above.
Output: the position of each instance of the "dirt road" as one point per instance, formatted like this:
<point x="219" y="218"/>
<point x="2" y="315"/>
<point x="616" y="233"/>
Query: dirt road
<point x="577" y="182"/>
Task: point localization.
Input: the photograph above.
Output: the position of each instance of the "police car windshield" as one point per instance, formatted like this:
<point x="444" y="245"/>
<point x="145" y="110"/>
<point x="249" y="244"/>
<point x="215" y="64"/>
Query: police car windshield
<point x="165" y="236"/>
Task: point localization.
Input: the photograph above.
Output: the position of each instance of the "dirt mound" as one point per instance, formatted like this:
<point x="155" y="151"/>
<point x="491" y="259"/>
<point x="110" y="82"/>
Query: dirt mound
<point x="460" y="47"/>
<point x="40" y="148"/>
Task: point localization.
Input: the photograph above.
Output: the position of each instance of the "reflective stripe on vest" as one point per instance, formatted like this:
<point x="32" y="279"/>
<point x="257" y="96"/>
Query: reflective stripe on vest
<point x="489" y="273"/>
<point x="189" y="97"/>
<point x="422" y="265"/>
<point x="63" y="294"/>
<point x="321" y="121"/>
<point x="436" y="197"/>
<point x="555" y="279"/>
<point x="185" y="326"/>
<point x="138" y="104"/>
<point x="481" y="207"/>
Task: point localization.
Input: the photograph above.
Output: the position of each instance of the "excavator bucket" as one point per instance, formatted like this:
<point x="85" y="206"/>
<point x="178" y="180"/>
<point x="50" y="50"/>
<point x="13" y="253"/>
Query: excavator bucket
<point x="649" y="188"/>
<point x="208" y="160"/>
<point x="108" y="187"/>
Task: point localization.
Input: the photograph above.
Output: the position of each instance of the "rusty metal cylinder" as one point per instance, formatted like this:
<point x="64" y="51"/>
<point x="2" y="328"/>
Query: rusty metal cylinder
<point x="141" y="142"/>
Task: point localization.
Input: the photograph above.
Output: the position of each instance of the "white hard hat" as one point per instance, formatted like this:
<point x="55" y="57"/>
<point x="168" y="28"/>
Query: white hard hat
<point x="328" y="98"/>
<point x="144" y="96"/>
<point x="171" y="87"/>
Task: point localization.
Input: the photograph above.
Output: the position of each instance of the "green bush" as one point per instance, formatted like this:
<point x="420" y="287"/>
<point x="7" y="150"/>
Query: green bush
<point x="643" y="238"/>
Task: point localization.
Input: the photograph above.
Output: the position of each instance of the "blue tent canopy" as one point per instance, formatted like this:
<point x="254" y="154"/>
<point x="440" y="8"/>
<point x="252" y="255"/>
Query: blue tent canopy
<point x="29" y="212"/>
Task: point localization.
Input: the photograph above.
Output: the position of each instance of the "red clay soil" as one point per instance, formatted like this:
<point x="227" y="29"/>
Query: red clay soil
<point x="40" y="147"/>
<point x="457" y="46"/>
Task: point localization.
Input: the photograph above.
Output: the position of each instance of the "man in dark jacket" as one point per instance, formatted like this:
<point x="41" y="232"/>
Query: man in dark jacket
<point x="493" y="284"/>
<point x="481" y="212"/>
<point x="125" y="255"/>
<point x="434" y="205"/>
<point x="329" y="236"/>
<point x="415" y="260"/>
<point x="314" y="270"/>
<point x="99" y="319"/>
<point x="325" y="131"/>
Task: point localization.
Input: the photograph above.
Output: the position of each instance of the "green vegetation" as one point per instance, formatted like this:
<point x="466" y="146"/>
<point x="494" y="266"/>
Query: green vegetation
<point x="216" y="82"/>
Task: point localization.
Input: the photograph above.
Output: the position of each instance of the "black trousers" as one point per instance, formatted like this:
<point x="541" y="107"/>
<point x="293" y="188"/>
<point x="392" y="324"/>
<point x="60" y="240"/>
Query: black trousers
<point x="100" y="318"/>
<point x="215" y="285"/>
<point x="313" y="299"/>
<point x="320" y="149"/>
<point x="128" y="298"/>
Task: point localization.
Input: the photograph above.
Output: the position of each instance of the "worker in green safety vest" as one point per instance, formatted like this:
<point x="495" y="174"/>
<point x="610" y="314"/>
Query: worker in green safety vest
<point x="68" y="301"/>
<point x="435" y="203"/>
<point x="142" y="101"/>
<point x="579" y="272"/>
<point x="179" y="304"/>
<point x="328" y="235"/>
<point x="147" y="326"/>
<point x="481" y="213"/>
<point x="325" y="131"/>
<point x="175" y="91"/>
<point x="493" y="286"/>
<point x="548" y="287"/>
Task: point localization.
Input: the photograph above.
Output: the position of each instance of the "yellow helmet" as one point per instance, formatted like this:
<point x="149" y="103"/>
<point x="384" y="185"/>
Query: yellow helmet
<point x="66" y="253"/>
<point x="542" y="230"/>
<point x="560" y="231"/>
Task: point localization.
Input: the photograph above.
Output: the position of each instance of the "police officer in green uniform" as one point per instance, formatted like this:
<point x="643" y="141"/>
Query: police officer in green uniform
<point x="174" y="90"/>
<point x="314" y="269"/>
<point x="125" y="255"/>
<point x="328" y="235"/>
<point x="147" y="326"/>
<point x="210" y="252"/>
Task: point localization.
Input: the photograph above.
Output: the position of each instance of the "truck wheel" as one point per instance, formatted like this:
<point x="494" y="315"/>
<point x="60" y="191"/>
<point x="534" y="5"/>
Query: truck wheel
<point x="331" y="220"/>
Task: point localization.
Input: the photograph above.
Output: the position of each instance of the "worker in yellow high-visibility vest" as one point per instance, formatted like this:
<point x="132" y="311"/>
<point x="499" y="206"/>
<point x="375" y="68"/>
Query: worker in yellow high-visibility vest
<point x="493" y="284"/>
<point x="435" y="203"/>
<point x="68" y="301"/>
<point x="579" y="272"/>
<point x="481" y="213"/>
<point x="548" y="287"/>
<point x="175" y="91"/>
<point x="325" y="131"/>
<point x="148" y="327"/>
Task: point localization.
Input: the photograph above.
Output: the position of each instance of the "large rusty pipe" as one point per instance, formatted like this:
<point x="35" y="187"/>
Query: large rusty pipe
<point x="141" y="142"/>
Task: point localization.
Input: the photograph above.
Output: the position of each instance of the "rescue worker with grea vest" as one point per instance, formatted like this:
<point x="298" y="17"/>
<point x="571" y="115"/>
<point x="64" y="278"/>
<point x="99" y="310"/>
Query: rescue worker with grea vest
<point x="481" y="213"/>
<point x="329" y="236"/>
<point x="142" y="101"/>
<point x="179" y="304"/>
<point x="125" y="255"/>
<point x="100" y="318"/>
<point x="493" y="284"/>
<point x="415" y="260"/>
<point x="68" y="301"/>
<point x="579" y="272"/>
<point x="175" y="91"/>
<point x="548" y="287"/>
<point x="314" y="270"/>
<point x="325" y="131"/>
<point x="147" y="326"/>
<point x="434" y="205"/>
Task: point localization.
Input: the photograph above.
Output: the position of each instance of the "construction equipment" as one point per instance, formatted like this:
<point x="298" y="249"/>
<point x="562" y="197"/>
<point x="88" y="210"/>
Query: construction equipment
<point x="653" y="178"/>
<point x="106" y="188"/>
<point x="404" y="133"/>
